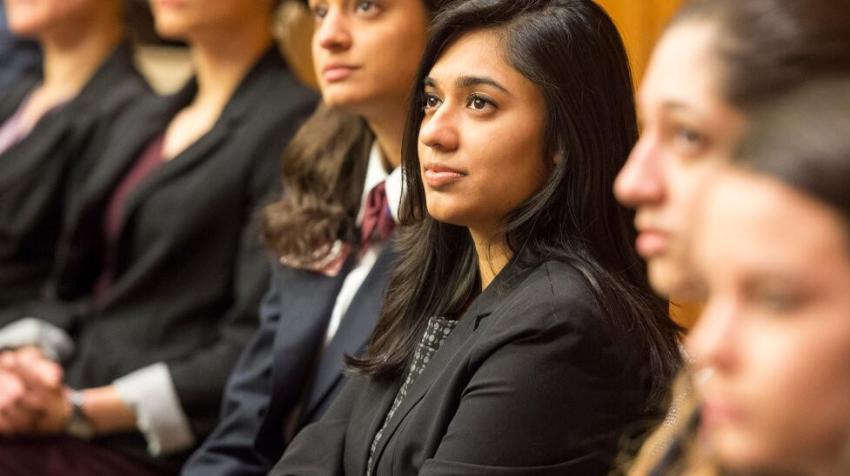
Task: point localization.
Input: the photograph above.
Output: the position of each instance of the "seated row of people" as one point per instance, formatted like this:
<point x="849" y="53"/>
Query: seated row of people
<point x="484" y="312"/>
<point x="132" y="234"/>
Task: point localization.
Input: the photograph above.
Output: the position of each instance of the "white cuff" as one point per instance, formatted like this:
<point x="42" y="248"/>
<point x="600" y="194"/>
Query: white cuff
<point x="159" y="416"/>
<point x="53" y="341"/>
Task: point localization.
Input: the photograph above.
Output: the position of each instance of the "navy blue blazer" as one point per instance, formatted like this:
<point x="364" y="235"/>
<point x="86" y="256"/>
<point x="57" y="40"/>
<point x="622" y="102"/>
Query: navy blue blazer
<point x="284" y="369"/>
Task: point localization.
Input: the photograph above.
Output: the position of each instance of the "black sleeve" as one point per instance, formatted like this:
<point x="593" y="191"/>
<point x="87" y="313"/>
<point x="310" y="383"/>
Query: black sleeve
<point x="232" y="448"/>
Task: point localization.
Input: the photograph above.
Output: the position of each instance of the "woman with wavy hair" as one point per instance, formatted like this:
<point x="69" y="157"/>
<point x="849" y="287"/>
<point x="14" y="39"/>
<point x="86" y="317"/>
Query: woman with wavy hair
<point x="330" y="233"/>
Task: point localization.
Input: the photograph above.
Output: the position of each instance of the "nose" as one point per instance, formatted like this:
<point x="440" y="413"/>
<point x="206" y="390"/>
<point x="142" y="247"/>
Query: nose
<point x="333" y="33"/>
<point x="712" y="342"/>
<point x="641" y="181"/>
<point x="438" y="131"/>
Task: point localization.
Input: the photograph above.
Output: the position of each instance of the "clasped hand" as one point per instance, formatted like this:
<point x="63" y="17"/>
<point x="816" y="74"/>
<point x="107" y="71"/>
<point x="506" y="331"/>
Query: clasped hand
<point x="33" y="397"/>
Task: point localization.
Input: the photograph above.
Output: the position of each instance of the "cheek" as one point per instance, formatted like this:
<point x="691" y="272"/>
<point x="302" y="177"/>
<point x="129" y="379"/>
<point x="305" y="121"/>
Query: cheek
<point x="797" y="385"/>
<point x="509" y="164"/>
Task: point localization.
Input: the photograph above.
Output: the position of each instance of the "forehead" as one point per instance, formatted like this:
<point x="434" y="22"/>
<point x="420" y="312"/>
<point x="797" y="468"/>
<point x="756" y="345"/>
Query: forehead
<point x="684" y="69"/>
<point x="756" y="223"/>
<point x="479" y="52"/>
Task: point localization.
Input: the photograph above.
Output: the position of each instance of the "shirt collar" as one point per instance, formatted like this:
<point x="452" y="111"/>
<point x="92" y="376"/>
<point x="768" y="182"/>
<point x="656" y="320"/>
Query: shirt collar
<point x="375" y="174"/>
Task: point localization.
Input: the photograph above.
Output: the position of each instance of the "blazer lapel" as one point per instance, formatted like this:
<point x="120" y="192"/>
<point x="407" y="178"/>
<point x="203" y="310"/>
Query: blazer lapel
<point x="354" y="332"/>
<point x="234" y="112"/>
<point x="12" y="100"/>
<point x="455" y="346"/>
<point x="306" y="301"/>
<point x="123" y="149"/>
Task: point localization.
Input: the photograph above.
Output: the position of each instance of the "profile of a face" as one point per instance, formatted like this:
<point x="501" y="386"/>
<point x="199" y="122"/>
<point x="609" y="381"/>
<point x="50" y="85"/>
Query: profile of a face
<point x="365" y="53"/>
<point x="772" y="348"/>
<point x="687" y="130"/>
<point x="481" y="145"/>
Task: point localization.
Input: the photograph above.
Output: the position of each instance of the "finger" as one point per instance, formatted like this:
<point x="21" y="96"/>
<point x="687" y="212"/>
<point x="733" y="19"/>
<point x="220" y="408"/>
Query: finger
<point x="48" y="373"/>
<point x="11" y="389"/>
<point x="19" y="420"/>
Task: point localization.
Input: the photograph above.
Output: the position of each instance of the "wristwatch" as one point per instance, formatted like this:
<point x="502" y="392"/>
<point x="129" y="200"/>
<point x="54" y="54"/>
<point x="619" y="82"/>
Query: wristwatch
<point x="78" y="424"/>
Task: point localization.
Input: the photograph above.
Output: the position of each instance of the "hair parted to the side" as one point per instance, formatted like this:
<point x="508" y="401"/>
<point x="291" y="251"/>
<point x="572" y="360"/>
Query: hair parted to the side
<point x="766" y="47"/>
<point x="324" y="168"/>
<point x="802" y="139"/>
<point x="572" y="51"/>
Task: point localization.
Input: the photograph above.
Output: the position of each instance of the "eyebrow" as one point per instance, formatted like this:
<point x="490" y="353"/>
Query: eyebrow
<point x="465" y="82"/>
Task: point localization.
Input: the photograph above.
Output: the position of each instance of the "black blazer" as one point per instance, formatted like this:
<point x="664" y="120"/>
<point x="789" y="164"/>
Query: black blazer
<point x="285" y="367"/>
<point x="34" y="174"/>
<point x="532" y="381"/>
<point x="190" y="267"/>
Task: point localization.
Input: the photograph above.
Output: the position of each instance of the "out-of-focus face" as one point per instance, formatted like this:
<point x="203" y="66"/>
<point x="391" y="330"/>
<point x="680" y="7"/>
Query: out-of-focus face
<point x="481" y="144"/>
<point x="687" y="130"/>
<point x="33" y="18"/>
<point x="774" y="341"/>
<point x="366" y="52"/>
<point x="189" y="19"/>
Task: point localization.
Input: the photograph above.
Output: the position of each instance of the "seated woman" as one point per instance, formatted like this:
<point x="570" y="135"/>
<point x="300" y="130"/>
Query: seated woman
<point x="47" y="123"/>
<point x="772" y="347"/>
<point x="519" y="334"/>
<point x="331" y="230"/>
<point x="161" y="268"/>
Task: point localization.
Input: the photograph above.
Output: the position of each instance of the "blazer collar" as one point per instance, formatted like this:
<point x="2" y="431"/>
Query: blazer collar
<point x="51" y="128"/>
<point x="153" y="116"/>
<point x="117" y="64"/>
<point x="454" y="347"/>
<point x="13" y="99"/>
<point x="259" y="79"/>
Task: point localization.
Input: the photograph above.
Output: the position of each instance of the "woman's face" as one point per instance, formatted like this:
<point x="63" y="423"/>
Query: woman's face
<point x="481" y="145"/>
<point x="687" y="130"/>
<point x="772" y="349"/>
<point x="34" y="18"/>
<point x="190" y="20"/>
<point x="366" y="52"/>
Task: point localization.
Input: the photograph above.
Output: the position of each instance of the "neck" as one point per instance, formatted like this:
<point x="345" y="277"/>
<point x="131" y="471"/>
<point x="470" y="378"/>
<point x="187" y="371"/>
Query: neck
<point x="389" y="132"/>
<point x="493" y="254"/>
<point x="222" y="62"/>
<point x="73" y="55"/>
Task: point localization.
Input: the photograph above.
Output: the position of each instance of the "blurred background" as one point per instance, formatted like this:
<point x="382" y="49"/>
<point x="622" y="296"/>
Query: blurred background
<point x="640" y="22"/>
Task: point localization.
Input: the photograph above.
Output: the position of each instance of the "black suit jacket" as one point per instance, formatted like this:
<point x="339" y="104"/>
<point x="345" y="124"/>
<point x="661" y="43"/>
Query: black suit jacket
<point x="285" y="370"/>
<point x="190" y="267"/>
<point x="34" y="173"/>
<point x="532" y="381"/>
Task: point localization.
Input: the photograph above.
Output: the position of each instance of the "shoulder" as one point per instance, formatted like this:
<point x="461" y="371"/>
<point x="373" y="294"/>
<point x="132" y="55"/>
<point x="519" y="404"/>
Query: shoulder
<point x="552" y="288"/>
<point x="553" y="301"/>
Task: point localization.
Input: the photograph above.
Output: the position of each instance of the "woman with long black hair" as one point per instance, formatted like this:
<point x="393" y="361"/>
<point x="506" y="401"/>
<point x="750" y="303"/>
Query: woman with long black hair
<point x="519" y="334"/>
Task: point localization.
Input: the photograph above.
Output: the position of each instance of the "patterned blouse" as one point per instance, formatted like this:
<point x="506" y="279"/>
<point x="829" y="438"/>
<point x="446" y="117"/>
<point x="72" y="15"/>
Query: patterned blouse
<point x="435" y="334"/>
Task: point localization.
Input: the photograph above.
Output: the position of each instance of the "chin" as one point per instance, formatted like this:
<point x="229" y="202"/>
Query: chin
<point x="343" y="97"/>
<point x="670" y="279"/>
<point x="738" y="455"/>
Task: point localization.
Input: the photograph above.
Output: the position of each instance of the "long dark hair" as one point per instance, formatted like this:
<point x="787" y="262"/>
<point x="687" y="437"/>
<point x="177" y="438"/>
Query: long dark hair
<point x="767" y="47"/>
<point x="324" y="168"/>
<point x="573" y="52"/>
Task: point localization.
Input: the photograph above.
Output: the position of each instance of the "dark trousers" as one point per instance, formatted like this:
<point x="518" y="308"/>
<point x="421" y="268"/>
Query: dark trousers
<point x="65" y="456"/>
